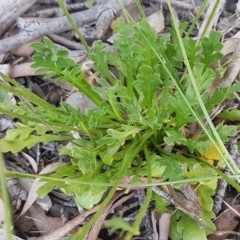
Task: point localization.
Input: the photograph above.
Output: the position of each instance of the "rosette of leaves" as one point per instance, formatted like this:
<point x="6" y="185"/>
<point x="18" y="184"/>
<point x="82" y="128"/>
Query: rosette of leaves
<point x="140" y="111"/>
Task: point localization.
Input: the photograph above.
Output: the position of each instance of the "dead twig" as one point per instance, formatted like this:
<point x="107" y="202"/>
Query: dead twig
<point x="65" y="42"/>
<point x="233" y="69"/>
<point x="164" y="225"/>
<point x="10" y="10"/>
<point x="36" y="29"/>
<point x="59" y="233"/>
<point x="178" y="4"/>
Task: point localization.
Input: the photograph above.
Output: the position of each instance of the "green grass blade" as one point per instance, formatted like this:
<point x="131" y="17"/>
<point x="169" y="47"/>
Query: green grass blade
<point x="74" y="25"/>
<point x="6" y="200"/>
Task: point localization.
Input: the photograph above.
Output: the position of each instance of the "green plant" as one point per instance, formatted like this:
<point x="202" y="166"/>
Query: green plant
<point x="148" y="105"/>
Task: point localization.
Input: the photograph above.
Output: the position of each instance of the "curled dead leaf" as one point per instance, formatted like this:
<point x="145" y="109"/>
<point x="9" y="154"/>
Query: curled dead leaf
<point x="227" y="221"/>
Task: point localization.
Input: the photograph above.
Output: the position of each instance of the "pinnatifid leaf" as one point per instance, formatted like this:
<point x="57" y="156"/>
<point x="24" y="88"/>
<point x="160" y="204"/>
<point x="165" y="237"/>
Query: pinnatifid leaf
<point x="233" y="115"/>
<point x="17" y="144"/>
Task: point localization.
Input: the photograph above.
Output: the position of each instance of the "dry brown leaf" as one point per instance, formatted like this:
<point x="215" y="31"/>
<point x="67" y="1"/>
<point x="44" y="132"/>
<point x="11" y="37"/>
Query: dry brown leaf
<point x="164" y="225"/>
<point x="25" y="50"/>
<point x="32" y="161"/>
<point x="44" y="223"/>
<point x="32" y="192"/>
<point x="156" y="21"/>
<point x="232" y="69"/>
<point x="186" y="201"/>
<point x="25" y="224"/>
<point x="22" y="70"/>
<point x="226" y="221"/>
<point x="5" y="68"/>
<point x="59" y="233"/>
<point x="132" y="10"/>
<point x="155" y="216"/>
<point x="160" y="225"/>
<point x="230" y="44"/>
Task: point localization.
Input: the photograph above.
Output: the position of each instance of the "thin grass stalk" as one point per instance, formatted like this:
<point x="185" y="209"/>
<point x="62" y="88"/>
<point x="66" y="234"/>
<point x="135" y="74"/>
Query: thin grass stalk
<point x="209" y="20"/>
<point x="199" y="14"/>
<point x="140" y="9"/>
<point x="72" y="181"/>
<point x="74" y="25"/>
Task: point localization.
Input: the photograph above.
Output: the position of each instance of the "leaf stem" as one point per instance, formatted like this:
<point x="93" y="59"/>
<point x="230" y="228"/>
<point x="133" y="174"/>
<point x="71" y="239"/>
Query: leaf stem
<point x="6" y="200"/>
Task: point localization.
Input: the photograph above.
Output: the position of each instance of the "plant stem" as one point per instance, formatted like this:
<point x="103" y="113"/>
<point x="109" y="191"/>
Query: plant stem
<point x="74" y="25"/>
<point x="72" y="181"/>
<point x="197" y="17"/>
<point x="6" y="200"/>
<point x="210" y="19"/>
